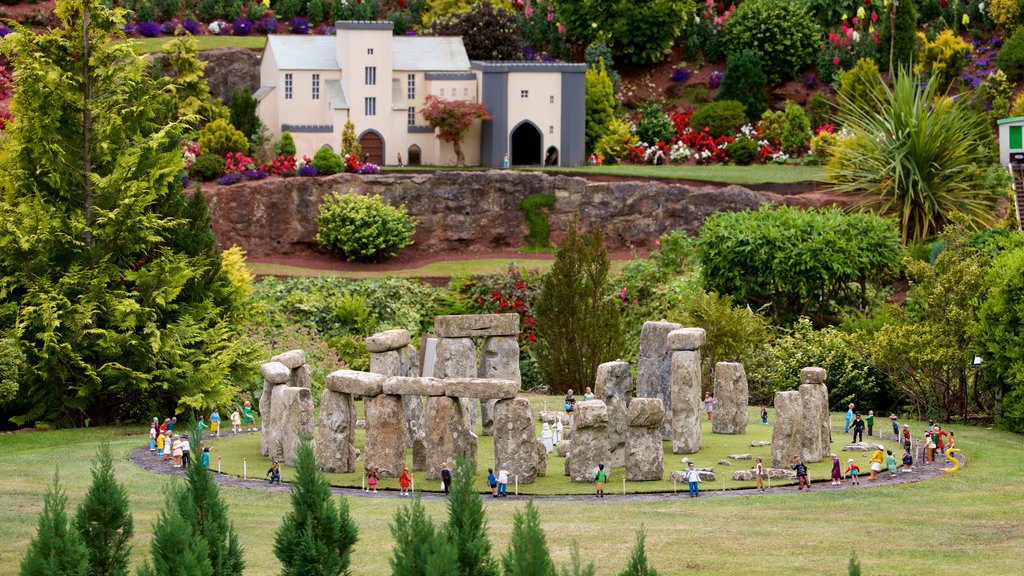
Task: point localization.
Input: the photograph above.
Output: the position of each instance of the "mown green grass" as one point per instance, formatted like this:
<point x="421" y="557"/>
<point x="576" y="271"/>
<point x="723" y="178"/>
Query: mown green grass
<point x="205" y="42"/>
<point x="971" y="523"/>
<point x="441" y="269"/>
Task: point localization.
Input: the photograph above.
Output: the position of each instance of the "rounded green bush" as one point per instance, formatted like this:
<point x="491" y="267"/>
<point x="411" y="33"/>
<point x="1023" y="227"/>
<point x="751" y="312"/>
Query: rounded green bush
<point x="363" y="227"/>
<point x="327" y="162"/>
<point x="207" y="167"/>
<point x="219" y="137"/>
<point x="782" y="31"/>
<point x="743" y="150"/>
<point x="722" y="118"/>
<point x="1011" y="55"/>
<point x="286" y="145"/>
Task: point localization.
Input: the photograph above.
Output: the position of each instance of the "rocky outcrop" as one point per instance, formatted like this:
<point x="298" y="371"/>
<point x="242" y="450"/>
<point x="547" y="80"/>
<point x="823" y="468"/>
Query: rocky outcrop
<point x="230" y="69"/>
<point x="469" y="210"/>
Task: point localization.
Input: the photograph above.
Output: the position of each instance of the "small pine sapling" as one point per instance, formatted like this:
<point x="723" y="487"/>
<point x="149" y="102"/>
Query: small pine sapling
<point x="57" y="548"/>
<point x="528" y="553"/>
<point x="104" y="520"/>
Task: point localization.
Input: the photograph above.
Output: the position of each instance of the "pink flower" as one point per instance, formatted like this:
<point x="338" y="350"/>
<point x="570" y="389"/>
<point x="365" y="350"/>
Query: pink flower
<point x="874" y="16"/>
<point x="528" y="11"/>
<point x="836" y="60"/>
<point x="561" y="28"/>
<point x="657" y="244"/>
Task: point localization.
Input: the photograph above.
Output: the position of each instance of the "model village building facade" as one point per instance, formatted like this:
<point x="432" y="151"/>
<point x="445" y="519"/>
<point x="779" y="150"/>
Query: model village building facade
<point x="311" y="85"/>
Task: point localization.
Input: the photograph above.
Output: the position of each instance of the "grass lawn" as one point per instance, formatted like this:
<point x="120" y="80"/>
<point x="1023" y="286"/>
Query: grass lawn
<point x="442" y="269"/>
<point x="206" y="42"/>
<point x="971" y="522"/>
<point x="744" y="175"/>
<point x="232" y="450"/>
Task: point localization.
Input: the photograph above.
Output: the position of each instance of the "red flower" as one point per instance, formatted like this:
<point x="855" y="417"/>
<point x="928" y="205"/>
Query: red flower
<point x="836" y="60"/>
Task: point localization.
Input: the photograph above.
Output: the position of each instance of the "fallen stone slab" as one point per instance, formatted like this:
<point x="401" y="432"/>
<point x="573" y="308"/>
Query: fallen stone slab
<point x="275" y="373"/>
<point x="706" y="475"/>
<point x="483" y="388"/>
<point x="686" y="339"/>
<point x="388" y="340"/>
<point x="476" y="325"/>
<point x="408" y="385"/>
<point x="739" y="456"/>
<point x="746" y="475"/>
<point x="757" y="443"/>
<point x="552" y="416"/>
<point x="563" y="448"/>
<point x="292" y="358"/>
<point x="724" y="462"/>
<point x="863" y="447"/>
<point x="356" y="382"/>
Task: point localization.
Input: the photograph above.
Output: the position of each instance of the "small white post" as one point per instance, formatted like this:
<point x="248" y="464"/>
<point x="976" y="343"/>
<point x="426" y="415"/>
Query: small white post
<point x="723" y="484"/>
<point x="245" y="469"/>
<point x="769" y="481"/>
<point x="673" y="484"/>
<point x="218" y="464"/>
<point x="517" y="484"/>
<point x="623" y="485"/>
<point x="362" y="482"/>
<point x="414" y="485"/>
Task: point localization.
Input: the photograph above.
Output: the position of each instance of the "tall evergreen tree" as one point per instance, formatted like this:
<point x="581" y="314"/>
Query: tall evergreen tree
<point x="638" y="558"/>
<point x="104" y="521"/>
<point x="175" y="550"/>
<point x="527" y="553"/>
<point x="200" y="505"/>
<point x="467" y="525"/>
<point x="316" y="537"/>
<point x="56" y="549"/>
<point x="115" y="319"/>
<point x="420" y="549"/>
<point x="578" y="320"/>
<point x="600" y="102"/>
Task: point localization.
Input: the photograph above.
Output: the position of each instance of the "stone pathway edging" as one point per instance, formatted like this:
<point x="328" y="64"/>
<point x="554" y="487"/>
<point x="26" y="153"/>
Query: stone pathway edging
<point x="149" y="461"/>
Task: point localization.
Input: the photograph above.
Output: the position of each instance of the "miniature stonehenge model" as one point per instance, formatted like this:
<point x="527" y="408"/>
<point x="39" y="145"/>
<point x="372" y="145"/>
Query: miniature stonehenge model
<point x="802" y="421"/>
<point x="286" y="405"/>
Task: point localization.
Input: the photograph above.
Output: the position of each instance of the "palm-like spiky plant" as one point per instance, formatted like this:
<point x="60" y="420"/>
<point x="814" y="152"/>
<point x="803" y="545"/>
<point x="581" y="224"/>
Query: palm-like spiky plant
<point x="923" y="155"/>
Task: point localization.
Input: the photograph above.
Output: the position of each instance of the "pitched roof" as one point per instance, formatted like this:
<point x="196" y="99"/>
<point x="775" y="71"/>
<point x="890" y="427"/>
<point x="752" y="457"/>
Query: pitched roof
<point x="336" y="92"/>
<point x="303" y="52"/>
<point x="434" y="53"/>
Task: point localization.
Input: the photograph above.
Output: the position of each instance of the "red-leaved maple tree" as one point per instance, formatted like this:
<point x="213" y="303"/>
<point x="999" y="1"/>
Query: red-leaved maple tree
<point x="452" y="119"/>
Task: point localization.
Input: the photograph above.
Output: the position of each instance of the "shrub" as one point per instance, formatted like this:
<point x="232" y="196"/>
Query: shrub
<point x="363" y="227"/>
<point x="860" y="85"/>
<point x="819" y="110"/>
<point x="823" y="144"/>
<point x="994" y="94"/>
<point x="286" y="145"/>
<point x="207" y="167"/>
<point x="1006" y="14"/>
<point x="533" y="207"/>
<point x="144" y="12"/>
<point x="167" y="9"/>
<point x="722" y="118"/>
<point x="743" y="150"/>
<point x="617" y="142"/>
<point x="243" y="113"/>
<point x="599" y="53"/>
<point x="315" y="11"/>
<point x="232" y="10"/>
<point x="641" y="32"/>
<point x="773" y="127"/>
<point x="904" y="43"/>
<point x="945" y="58"/>
<point x="797" y="262"/>
<point x="349" y="143"/>
<point x="502" y="40"/>
<point x="921" y="161"/>
<point x="1011" y="56"/>
<point x="782" y="31"/>
<point x="744" y="82"/>
<point x="219" y="137"/>
<point x="209" y="10"/>
<point x="654" y="125"/>
<point x="797" y="134"/>
<point x="326" y="162"/>
<point x="1002" y="322"/>
<point x="600" y="103"/>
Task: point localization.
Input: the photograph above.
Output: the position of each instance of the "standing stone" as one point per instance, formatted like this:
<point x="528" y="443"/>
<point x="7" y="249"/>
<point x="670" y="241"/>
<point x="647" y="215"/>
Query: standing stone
<point x="614" y="384"/>
<point x="419" y="451"/>
<point x="732" y="397"/>
<point x="499" y="361"/>
<point x="456" y="358"/>
<point x="300" y="377"/>
<point x="589" y="441"/>
<point x="814" y="401"/>
<point x="515" y="444"/>
<point x="291" y="420"/>
<point x="645" y="457"/>
<point x="336" y="433"/>
<point x="448" y="434"/>
<point x="686" y="387"/>
<point x="404" y="361"/>
<point x="385" y="435"/>
<point x="787" y="435"/>
<point x="265" y="414"/>
<point x="654" y="369"/>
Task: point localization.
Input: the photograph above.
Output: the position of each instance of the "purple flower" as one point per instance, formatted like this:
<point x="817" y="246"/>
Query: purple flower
<point x="4" y="31"/>
<point x="129" y="28"/>
<point x="680" y="75"/>
<point x="167" y="28"/>
<point x="299" y="25"/>
<point x="185" y="182"/>
<point x="411" y="32"/>
<point x="369" y="169"/>
<point x="229" y="179"/>
<point x="266" y="25"/>
<point x="324" y="30"/>
<point x="529" y="53"/>
<point x="149" y="29"/>
<point x="810" y="81"/>
<point x="242" y="27"/>
<point x="191" y="27"/>
<point x="307" y="170"/>
<point x="258" y="174"/>
<point x="715" y="79"/>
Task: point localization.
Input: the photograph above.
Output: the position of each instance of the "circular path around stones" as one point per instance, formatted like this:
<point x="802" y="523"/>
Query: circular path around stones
<point x="149" y="461"/>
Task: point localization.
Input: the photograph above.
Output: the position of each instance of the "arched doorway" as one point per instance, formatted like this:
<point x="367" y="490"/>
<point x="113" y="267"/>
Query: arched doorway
<point x="373" y="147"/>
<point x="415" y="155"/>
<point x="551" y="156"/>
<point x="526" y="145"/>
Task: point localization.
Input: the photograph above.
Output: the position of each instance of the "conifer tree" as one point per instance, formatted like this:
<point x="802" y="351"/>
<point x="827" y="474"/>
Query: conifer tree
<point x="576" y="567"/>
<point x="638" y="558"/>
<point x="175" y="550"/>
<point x="420" y="549"/>
<point x="467" y="525"/>
<point x="578" y="320"/>
<point x="600" y="102"/>
<point x="201" y="507"/>
<point x="104" y="521"/>
<point x="527" y="553"/>
<point x="349" y="143"/>
<point x="56" y="549"/>
<point x="317" y="536"/>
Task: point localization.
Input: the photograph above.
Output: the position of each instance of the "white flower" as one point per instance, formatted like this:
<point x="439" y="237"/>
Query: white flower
<point x="216" y="25"/>
<point x="856" y="36"/>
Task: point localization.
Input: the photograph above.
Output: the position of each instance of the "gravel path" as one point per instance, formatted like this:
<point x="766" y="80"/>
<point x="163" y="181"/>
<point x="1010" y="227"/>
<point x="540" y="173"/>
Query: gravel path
<point x="149" y="461"/>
